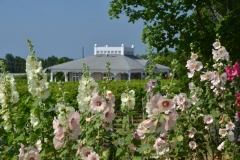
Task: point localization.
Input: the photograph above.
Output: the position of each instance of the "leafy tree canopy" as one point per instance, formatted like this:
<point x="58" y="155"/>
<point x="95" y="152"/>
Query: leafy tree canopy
<point x="177" y="23"/>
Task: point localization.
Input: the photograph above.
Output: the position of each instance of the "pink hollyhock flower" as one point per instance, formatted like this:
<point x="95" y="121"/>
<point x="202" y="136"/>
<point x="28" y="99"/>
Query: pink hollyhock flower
<point x="85" y="152"/>
<point x="97" y="104"/>
<point x="74" y="120"/>
<point x="93" y="156"/>
<point x="165" y="105"/>
<point x="238" y="99"/>
<point x="148" y="123"/>
<point x="154" y="99"/>
<point x="170" y="120"/>
<point x="111" y="97"/>
<point x="237" y="67"/>
<point x="74" y="125"/>
<point x="161" y="127"/>
<point x="141" y="132"/>
<point x="231" y="72"/>
<point x="150" y="85"/>
<point x="108" y="114"/>
<point x="159" y="142"/>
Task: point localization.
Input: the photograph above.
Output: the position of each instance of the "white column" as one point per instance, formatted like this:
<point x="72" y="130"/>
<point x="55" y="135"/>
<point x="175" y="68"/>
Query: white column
<point x="142" y="75"/>
<point x="114" y="74"/>
<point x="51" y="76"/>
<point x="66" y="77"/>
<point x="129" y="76"/>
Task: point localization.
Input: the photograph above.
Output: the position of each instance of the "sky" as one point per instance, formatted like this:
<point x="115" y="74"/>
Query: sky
<point x="62" y="28"/>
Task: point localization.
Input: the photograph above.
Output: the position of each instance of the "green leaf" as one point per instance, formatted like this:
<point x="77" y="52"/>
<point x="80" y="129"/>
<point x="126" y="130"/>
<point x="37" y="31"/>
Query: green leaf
<point x="143" y="148"/>
<point x="180" y="138"/>
<point x="119" y="151"/>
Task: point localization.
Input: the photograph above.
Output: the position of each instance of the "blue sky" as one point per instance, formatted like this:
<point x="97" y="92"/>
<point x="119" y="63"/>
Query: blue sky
<point x="61" y="28"/>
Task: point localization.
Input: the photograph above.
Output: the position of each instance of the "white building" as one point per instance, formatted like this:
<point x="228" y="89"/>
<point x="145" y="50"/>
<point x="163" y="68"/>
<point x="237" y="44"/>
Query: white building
<point x="124" y="65"/>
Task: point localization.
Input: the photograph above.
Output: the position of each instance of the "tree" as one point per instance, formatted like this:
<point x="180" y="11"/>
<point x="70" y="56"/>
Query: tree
<point x="177" y="23"/>
<point x="10" y="62"/>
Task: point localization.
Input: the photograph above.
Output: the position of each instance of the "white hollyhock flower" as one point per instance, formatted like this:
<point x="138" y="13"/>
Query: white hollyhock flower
<point x="194" y="56"/>
<point x="39" y="145"/>
<point x="192" y="145"/>
<point x="231" y="136"/>
<point x="230" y="126"/>
<point x="223" y="132"/>
<point x="221" y="146"/>
<point x="216" y="45"/>
<point x="208" y="119"/>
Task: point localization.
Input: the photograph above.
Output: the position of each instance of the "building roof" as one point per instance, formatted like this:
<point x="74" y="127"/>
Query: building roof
<point x="121" y="63"/>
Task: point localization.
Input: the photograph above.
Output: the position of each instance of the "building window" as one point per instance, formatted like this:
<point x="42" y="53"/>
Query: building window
<point x="101" y="51"/>
<point x="115" y="52"/>
<point x="119" y="52"/>
<point x="124" y="76"/>
<point x="105" y="52"/>
<point x="108" y="52"/>
<point x="112" y="52"/>
<point x="75" y="76"/>
<point x="97" y="52"/>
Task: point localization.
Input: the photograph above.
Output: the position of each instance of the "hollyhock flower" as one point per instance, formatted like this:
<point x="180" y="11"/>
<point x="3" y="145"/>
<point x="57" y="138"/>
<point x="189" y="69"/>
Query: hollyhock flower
<point x="109" y="115"/>
<point x="222" y="52"/>
<point x="192" y="132"/>
<point x="208" y="119"/>
<point x="141" y="131"/>
<point x="223" y="78"/>
<point x="198" y="65"/>
<point x="190" y="74"/>
<point x="217" y="45"/>
<point x="231" y="71"/>
<point x="192" y="145"/>
<point x="207" y="76"/>
<point x="148" y="123"/>
<point x="93" y="156"/>
<point x="223" y="132"/>
<point x="191" y="86"/>
<point x="39" y="145"/>
<point x="32" y="154"/>
<point x="231" y="136"/>
<point x="150" y="85"/>
<point x="21" y="152"/>
<point x="97" y="104"/>
<point x="221" y="146"/>
<point x="230" y="126"/>
<point x="194" y="56"/>
<point x="74" y="125"/>
<point x="191" y="65"/>
<point x="165" y="105"/>
<point x="85" y="152"/>
<point x="170" y="120"/>
<point x="237" y="67"/>
<point x="73" y="120"/>
<point x="159" y="142"/>
<point x="161" y="127"/>
<point x="59" y="138"/>
<point x="111" y="97"/>
<point x="216" y="57"/>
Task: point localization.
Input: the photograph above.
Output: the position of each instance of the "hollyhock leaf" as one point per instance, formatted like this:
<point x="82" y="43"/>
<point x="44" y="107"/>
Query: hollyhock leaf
<point x="132" y="113"/>
<point x="63" y="152"/>
<point x="180" y="138"/>
<point x="119" y="151"/>
<point x="198" y="103"/>
<point x="143" y="148"/>
<point x="75" y="146"/>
